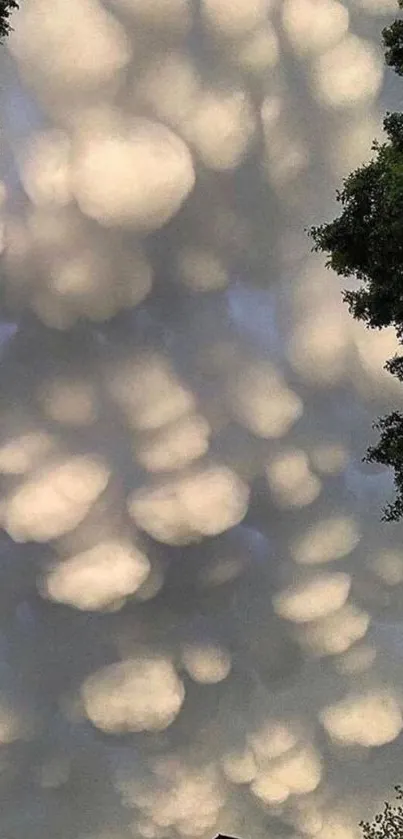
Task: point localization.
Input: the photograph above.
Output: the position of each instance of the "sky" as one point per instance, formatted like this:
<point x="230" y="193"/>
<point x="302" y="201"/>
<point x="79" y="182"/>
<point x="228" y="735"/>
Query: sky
<point x="201" y="611"/>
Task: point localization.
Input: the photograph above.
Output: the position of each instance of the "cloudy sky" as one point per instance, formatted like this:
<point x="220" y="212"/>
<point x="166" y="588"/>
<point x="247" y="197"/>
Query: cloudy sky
<point x="200" y="622"/>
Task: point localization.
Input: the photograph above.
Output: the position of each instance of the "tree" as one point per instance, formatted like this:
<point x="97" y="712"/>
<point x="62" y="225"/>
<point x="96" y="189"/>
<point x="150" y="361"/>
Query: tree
<point x="389" y="452"/>
<point x="6" y="8"/>
<point x="388" y="824"/>
<point x="365" y="242"/>
<point x="393" y="41"/>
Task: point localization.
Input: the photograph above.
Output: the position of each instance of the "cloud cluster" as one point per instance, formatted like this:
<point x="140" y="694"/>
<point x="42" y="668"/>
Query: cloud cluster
<point x="201" y="613"/>
<point x="142" y="695"/>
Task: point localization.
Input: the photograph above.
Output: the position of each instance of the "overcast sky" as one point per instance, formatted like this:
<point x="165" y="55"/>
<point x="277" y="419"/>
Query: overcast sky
<point x="200" y="622"/>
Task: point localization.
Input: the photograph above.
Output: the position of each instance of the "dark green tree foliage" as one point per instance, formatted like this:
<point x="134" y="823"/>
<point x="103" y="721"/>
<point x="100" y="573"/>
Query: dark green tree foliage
<point x="393" y="41"/>
<point x="366" y="243"/>
<point x="389" y="452"/>
<point x="388" y="824"/>
<point x="366" y="240"/>
<point x="6" y="9"/>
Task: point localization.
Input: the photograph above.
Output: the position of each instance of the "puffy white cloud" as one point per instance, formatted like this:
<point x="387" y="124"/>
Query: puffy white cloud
<point x="137" y="177"/>
<point x="268" y="790"/>
<point x="371" y="719"/>
<point x="308" y="817"/>
<point x="240" y="767"/>
<point x="299" y="770"/>
<point x="235" y="19"/>
<point x="181" y="511"/>
<point x="388" y="566"/>
<point x="194" y="799"/>
<point x="319" y="345"/>
<point x="348" y="74"/>
<point x="337" y="632"/>
<point x="98" y="577"/>
<point x="135" y="695"/>
<point x="174" y="445"/>
<point x="262" y="402"/>
<point x="326" y="540"/>
<point x="54" y="501"/>
<point x="44" y="169"/>
<point x="79" y="47"/>
<point x="329" y="458"/>
<point x="178" y="795"/>
<point x="149" y="392"/>
<point x="24" y="452"/>
<point x="313" y="28"/>
<point x="170" y="85"/>
<point x="65" y="269"/>
<point x="314" y="599"/>
<point x="290" y="479"/>
<point x="358" y="659"/>
<point x="272" y="740"/>
<point x="206" y="663"/>
<point x="221" y="128"/>
<point x="259" y="52"/>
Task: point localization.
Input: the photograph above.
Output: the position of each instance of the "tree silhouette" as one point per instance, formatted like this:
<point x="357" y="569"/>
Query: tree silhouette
<point x="365" y="242"/>
<point x="388" y="824"/>
<point x="393" y="41"/>
<point x="6" y="9"/>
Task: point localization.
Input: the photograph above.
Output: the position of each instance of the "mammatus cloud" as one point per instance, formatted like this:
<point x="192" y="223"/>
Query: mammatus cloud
<point x="201" y="614"/>
<point x="367" y="720"/>
<point x="138" y="695"/>
<point x="98" y="577"/>
<point x="54" y="502"/>
<point x="320" y="596"/>
<point x="136" y="177"/>
<point x="181" y="511"/>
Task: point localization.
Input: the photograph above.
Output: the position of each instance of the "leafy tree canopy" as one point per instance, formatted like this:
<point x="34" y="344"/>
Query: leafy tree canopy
<point x="389" y="452"/>
<point x="366" y="240"/>
<point x="6" y="8"/>
<point x="393" y="41"/>
<point x="388" y="824"/>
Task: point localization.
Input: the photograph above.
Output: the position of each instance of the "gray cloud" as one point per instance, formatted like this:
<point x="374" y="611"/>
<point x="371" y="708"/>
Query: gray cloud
<point x="201" y="613"/>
